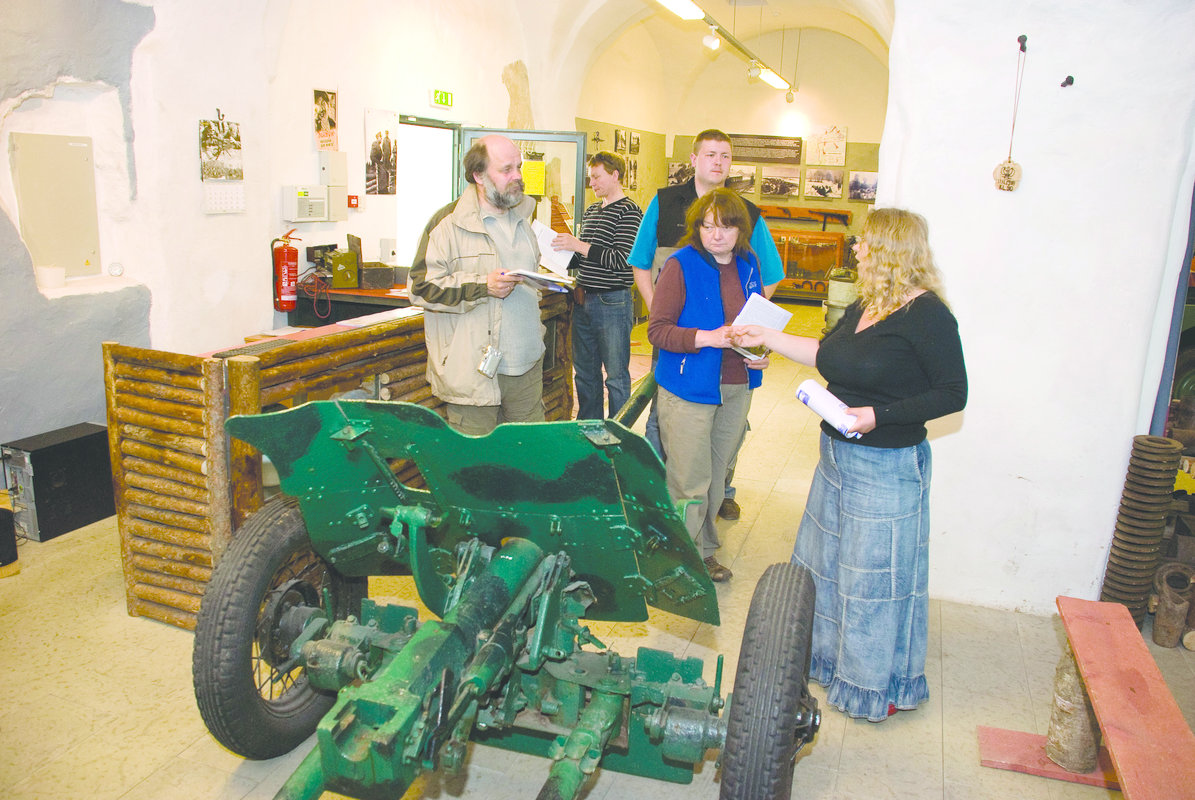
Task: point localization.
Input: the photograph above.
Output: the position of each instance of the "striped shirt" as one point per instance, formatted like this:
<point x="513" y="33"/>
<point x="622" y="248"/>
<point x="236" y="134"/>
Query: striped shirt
<point x="610" y="231"/>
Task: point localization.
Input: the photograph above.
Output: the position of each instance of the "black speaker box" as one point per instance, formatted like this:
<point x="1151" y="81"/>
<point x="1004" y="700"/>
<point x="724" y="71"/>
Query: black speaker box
<point x="59" y="481"/>
<point x="8" y="538"/>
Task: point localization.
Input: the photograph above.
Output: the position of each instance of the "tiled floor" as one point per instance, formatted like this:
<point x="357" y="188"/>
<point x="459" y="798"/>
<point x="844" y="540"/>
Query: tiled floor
<point x="96" y="704"/>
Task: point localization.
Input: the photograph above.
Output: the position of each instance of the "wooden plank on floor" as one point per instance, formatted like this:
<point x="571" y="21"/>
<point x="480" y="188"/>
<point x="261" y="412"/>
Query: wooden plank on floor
<point x="1152" y="747"/>
<point x="1026" y="752"/>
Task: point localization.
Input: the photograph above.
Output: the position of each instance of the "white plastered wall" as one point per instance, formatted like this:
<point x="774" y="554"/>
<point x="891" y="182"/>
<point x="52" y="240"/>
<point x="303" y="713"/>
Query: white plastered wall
<point x="1064" y="288"/>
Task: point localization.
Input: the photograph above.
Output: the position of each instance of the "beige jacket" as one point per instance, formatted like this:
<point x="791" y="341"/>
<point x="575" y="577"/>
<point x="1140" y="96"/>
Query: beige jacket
<point x="448" y="280"/>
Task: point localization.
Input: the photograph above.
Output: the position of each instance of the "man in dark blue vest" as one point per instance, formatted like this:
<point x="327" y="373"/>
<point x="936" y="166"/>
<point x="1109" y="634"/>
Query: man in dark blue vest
<point x="662" y="227"/>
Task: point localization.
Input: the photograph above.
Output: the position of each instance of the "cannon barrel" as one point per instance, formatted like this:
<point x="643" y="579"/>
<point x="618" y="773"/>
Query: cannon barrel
<point x="578" y="755"/>
<point x="379" y="735"/>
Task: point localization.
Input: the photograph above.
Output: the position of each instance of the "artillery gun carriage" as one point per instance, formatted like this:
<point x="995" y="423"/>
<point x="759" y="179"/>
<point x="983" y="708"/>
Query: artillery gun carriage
<point x="517" y="539"/>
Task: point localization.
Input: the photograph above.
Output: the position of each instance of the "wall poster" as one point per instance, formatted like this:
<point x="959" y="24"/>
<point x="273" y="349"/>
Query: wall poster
<point x="325" y="120"/>
<point x="780" y="180"/>
<point x="766" y="149"/>
<point x="863" y="186"/>
<point x="828" y="146"/>
<point x="823" y="183"/>
<point x="679" y="172"/>
<point x="741" y="178"/>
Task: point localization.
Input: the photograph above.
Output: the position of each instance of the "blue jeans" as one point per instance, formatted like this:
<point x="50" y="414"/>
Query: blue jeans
<point x="864" y="537"/>
<point x="602" y="337"/>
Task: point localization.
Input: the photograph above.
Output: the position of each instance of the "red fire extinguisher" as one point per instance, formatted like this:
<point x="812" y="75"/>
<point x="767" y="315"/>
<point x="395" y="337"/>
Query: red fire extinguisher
<point x="286" y="271"/>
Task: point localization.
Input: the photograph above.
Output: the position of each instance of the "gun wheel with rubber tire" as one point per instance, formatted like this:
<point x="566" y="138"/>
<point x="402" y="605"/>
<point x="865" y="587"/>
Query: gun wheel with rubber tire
<point x="772" y="714"/>
<point x="249" y="699"/>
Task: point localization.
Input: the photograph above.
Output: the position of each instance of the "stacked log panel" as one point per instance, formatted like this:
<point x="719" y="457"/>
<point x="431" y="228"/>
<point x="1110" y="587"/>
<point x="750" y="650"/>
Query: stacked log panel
<point x="170" y="478"/>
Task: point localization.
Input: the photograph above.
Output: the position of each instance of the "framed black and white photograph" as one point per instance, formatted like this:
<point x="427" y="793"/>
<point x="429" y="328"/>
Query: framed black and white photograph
<point x="679" y="172"/>
<point x="779" y="180"/>
<point x="620" y="140"/>
<point x="381" y="150"/>
<point x="632" y="180"/>
<point x="741" y="178"/>
<point x="634" y="146"/>
<point x="823" y="183"/>
<point x="863" y="186"/>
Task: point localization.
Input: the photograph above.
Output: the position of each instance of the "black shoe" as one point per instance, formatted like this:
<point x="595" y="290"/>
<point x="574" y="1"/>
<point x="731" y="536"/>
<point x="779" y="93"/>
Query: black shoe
<point x="729" y="509"/>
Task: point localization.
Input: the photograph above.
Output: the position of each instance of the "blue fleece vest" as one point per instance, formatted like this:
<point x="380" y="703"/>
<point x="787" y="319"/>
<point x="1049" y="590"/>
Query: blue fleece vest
<point x="697" y="377"/>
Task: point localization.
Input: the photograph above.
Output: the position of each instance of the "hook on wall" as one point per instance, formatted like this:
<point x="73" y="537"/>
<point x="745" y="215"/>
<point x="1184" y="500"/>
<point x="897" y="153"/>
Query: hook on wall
<point x="1070" y="81"/>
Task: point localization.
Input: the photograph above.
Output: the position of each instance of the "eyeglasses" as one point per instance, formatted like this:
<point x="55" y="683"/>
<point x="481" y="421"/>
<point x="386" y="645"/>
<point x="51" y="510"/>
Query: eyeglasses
<point x="710" y="228"/>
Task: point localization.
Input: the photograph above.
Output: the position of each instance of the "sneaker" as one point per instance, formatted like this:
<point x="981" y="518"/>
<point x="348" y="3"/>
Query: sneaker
<point x="729" y="509"/>
<point x="718" y="573"/>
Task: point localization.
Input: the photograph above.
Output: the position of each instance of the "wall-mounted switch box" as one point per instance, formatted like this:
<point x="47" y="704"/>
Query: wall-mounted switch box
<point x="305" y="203"/>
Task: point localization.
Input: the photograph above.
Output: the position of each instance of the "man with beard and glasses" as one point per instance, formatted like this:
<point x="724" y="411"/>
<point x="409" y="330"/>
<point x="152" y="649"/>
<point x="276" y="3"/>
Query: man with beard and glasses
<point x="485" y="341"/>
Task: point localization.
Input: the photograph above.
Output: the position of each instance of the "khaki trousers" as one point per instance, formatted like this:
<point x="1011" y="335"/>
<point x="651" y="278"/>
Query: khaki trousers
<point x="700" y="441"/>
<point x="522" y="401"/>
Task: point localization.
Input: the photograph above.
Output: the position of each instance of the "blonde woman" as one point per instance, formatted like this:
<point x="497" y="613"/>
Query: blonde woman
<point x="895" y="358"/>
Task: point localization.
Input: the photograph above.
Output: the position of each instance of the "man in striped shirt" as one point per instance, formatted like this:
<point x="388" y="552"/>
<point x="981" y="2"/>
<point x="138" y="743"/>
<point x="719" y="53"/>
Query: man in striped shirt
<point x="603" y="315"/>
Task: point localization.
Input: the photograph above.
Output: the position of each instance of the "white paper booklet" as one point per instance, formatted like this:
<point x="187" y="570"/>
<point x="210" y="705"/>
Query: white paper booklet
<point x="545" y="280"/>
<point x="759" y="310"/>
<point x="827" y="406"/>
<point x="555" y="260"/>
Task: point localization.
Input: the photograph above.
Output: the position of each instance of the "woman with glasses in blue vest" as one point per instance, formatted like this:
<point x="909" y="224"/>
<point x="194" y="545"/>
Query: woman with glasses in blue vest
<point x="703" y="384"/>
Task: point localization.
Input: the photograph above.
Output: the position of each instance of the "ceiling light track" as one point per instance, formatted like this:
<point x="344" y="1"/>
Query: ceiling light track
<point x="688" y="10"/>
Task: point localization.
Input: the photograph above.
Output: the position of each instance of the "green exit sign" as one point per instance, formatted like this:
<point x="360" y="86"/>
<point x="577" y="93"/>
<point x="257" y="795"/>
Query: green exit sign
<point x="441" y="98"/>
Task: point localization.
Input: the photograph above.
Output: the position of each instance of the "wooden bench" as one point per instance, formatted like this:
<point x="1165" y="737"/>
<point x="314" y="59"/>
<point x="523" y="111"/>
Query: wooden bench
<point x="1149" y="750"/>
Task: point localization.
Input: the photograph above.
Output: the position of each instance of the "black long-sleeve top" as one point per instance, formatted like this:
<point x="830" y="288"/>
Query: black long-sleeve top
<point x="909" y="367"/>
<point x="610" y="231"/>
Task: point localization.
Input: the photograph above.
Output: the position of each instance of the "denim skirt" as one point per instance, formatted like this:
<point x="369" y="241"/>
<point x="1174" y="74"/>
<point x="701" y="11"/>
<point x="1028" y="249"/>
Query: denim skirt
<point x="865" y="539"/>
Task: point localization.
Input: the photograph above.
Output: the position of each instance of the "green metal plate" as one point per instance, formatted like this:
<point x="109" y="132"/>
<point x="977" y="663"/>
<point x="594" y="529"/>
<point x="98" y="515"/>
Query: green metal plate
<point x="593" y="489"/>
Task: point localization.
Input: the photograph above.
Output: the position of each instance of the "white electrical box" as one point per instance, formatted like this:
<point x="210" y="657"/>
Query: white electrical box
<point x="333" y="168"/>
<point x="305" y="203"/>
<point x="338" y="203"/>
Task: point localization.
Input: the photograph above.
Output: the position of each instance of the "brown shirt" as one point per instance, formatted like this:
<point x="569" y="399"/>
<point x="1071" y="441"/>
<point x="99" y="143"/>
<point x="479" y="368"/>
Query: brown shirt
<point x="669" y="301"/>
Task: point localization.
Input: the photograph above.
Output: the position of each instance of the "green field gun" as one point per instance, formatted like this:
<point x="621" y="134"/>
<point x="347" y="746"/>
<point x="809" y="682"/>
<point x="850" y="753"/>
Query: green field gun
<point x="515" y="540"/>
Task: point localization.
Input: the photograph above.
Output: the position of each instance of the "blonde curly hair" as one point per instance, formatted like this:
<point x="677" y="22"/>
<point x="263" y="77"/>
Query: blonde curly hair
<point x="898" y="261"/>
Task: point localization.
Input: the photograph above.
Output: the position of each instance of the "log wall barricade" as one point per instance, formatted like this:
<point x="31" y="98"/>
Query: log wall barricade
<point x="183" y="487"/>
<point x="169" y="474"/>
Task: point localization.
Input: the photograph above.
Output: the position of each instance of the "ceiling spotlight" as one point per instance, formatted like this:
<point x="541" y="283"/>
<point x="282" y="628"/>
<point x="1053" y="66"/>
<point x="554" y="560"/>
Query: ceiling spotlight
<point x="753" y="70"/>
<point x="711" y="39"/>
